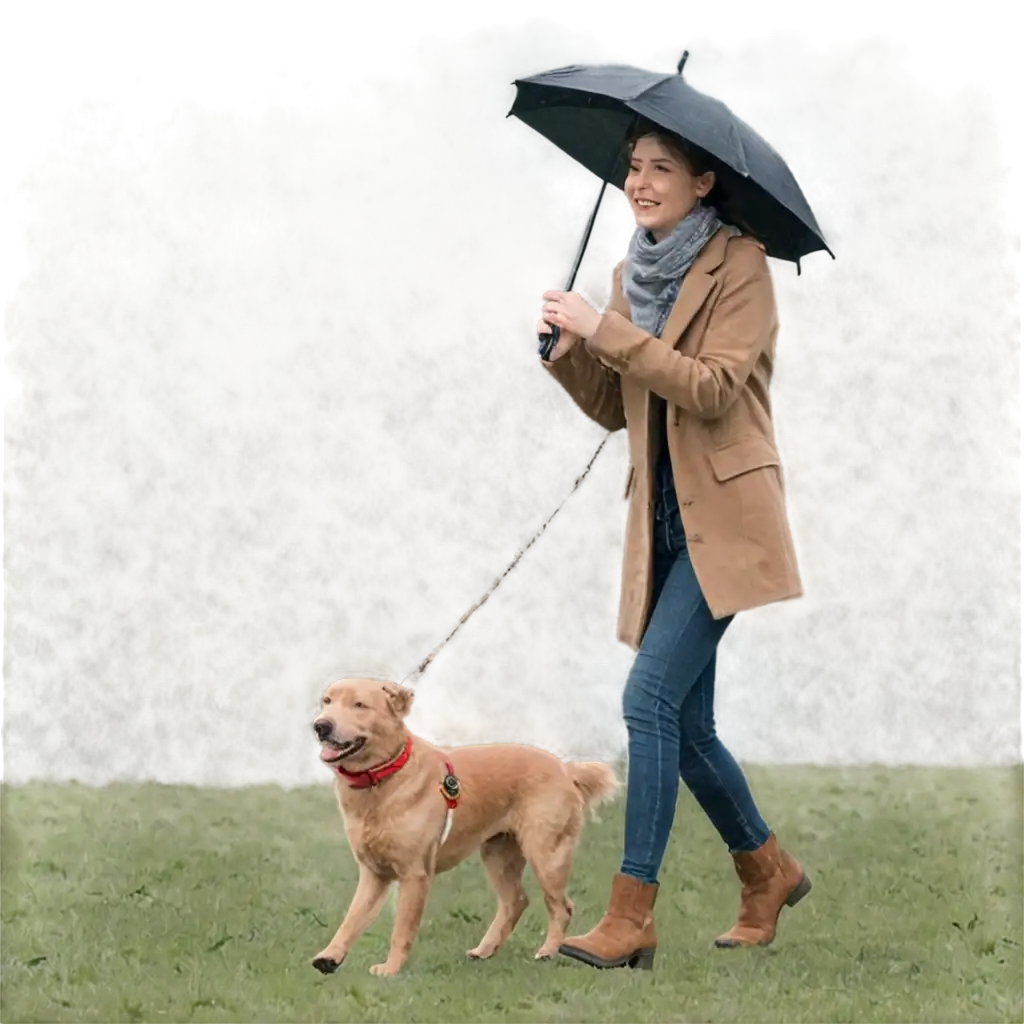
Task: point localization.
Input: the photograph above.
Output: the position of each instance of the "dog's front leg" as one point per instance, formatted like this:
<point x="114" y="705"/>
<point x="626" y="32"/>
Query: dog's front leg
<point x="362" y="912"/>
<point x="412" y="898"/>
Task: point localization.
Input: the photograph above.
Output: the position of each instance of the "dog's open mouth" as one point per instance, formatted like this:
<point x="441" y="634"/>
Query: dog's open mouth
<point x="332" y="752"/>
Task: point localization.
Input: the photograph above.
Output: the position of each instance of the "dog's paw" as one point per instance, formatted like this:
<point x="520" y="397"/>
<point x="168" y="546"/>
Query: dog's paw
<point x="546" y="952"/>
<point x="383" y="970"/>
<point x="480" y="953"/>
<point x="326" y="964"/>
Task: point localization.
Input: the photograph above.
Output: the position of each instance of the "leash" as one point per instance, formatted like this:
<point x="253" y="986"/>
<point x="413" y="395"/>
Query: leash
<point x="417" y="673"/>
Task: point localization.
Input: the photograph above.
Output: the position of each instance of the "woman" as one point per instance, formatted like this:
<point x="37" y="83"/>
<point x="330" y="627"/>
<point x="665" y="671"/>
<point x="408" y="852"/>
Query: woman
<point x="682" y="358"/>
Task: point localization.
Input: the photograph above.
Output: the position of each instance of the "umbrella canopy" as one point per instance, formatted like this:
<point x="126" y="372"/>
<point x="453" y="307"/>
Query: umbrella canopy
<point x="589" y="111"/>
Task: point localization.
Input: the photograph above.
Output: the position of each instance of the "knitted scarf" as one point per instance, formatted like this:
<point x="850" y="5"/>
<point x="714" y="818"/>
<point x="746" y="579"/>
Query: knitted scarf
<point x="652" y="272"/>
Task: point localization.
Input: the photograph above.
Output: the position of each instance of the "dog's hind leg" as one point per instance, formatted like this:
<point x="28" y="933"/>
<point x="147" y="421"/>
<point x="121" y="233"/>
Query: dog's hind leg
<point x="504" y="863"/>
<point x="550" y="859"/>
<point x="362" y="912"/>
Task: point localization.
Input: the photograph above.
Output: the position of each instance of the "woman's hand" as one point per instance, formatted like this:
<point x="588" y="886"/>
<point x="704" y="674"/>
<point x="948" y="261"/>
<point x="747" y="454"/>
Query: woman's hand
<point x="566" y="340"/>
<point x="569" y="311"/>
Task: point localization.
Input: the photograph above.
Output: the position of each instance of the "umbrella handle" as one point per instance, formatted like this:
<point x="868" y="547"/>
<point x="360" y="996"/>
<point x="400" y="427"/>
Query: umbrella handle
<point x="547" y="342"/>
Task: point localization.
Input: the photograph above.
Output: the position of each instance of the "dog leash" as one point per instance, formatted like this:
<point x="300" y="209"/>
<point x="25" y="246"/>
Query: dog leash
<point x="417" y="673"/>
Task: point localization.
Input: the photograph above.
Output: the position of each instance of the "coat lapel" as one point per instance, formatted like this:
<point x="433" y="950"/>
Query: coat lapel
<point x="696" y="287"/>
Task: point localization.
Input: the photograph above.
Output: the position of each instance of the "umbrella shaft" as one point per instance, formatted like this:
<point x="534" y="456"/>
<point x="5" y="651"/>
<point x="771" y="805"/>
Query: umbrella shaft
<point x="547" y="342"/>
<point x="578" y="262"/>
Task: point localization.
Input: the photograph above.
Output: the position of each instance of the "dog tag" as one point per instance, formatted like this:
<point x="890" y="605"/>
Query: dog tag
<point x="450" y="787"/>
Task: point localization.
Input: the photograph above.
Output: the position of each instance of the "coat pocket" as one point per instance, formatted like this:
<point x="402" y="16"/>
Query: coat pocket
<point x="741" y="456"/>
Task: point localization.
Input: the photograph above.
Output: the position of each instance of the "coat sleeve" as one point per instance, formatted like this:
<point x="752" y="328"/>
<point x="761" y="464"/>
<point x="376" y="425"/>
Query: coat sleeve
<point x="741" y="325"/>
<point x="594" y="387"/>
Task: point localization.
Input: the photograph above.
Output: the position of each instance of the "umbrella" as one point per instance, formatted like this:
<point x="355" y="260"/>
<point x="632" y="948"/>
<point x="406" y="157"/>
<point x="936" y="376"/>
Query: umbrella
<point x="589" y="112"/>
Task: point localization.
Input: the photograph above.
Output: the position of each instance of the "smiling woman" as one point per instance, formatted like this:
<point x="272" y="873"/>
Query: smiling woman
<point x="690" y="331"/>
<point x="666" y="180"/>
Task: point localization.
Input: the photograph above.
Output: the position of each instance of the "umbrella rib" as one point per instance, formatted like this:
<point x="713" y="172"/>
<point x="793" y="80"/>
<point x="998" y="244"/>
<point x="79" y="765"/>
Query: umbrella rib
<point x="654" y="85"/>
<point x="743" y="151"/>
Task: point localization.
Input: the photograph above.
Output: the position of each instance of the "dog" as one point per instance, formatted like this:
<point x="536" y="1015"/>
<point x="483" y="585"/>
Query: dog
<point x="412" y="809"/>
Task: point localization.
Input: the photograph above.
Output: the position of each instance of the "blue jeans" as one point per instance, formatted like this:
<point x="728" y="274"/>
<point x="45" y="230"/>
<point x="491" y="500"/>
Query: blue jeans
<point x="668" y="705"/>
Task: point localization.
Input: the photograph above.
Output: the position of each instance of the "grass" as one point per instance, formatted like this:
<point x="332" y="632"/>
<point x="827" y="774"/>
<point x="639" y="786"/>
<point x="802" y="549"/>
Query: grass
<point x="162" y="903"/>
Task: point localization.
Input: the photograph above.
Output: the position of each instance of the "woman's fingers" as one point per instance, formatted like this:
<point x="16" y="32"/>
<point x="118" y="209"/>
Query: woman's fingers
<point x="563" y="310"/>
<point x="565" y="343"/>
<point x="555" y="317"/>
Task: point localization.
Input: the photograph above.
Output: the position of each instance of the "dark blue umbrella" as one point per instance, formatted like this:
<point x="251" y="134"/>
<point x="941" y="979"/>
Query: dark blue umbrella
<point x="589" y="112"/>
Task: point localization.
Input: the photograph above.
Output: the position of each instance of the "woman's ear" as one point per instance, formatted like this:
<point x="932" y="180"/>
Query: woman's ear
<point x="705" y="183"/>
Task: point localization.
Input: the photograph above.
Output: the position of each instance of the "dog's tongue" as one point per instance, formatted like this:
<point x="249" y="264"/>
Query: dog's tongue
<point x="328" y="754"/>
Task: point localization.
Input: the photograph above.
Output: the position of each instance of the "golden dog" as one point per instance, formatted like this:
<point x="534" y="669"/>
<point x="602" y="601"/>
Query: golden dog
<point x="412" y="810"/>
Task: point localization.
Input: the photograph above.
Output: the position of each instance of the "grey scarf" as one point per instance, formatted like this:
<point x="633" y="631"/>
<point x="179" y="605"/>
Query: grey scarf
<point x="653" y="271"/>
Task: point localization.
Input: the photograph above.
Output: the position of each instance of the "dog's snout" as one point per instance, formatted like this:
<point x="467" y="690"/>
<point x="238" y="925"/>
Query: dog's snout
<point x="322" y="728"/>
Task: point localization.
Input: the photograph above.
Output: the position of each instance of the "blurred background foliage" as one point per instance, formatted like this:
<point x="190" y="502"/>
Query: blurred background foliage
<point x="274" y="416"/>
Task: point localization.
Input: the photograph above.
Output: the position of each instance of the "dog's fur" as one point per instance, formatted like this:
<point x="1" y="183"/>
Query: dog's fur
<point x="519" y="806"/>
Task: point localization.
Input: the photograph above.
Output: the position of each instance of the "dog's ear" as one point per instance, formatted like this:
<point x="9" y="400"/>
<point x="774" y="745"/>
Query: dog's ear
<point x="399" y="698"/>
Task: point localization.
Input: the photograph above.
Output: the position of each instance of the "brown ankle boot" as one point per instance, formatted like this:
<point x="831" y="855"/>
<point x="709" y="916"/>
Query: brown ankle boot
<point x="625" y="934"/>
<point x="771" y="878"/>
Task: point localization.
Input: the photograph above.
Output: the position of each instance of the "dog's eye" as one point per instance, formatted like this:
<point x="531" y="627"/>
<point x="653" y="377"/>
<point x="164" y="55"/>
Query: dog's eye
<point x="326" y="700"/>
<point x="359" y="704"/>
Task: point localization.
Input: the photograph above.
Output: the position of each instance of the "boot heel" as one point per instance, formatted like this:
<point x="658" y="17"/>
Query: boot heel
<point x="802" y="889"/>
<point x="643" y="959"/>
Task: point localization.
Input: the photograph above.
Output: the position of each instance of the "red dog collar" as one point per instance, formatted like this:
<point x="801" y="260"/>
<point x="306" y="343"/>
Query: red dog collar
<point x="372" y="776"/>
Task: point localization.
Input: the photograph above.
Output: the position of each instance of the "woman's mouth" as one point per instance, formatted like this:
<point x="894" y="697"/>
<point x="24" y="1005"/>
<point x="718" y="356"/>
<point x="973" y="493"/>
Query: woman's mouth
<point x="646" y="204"/>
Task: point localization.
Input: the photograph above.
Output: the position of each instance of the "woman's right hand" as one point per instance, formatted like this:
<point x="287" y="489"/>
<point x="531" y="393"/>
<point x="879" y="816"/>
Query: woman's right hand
<point x="566" y="340"/>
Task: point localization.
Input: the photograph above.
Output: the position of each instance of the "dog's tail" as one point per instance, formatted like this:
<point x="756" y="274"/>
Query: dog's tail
<point x="595" y="781"/>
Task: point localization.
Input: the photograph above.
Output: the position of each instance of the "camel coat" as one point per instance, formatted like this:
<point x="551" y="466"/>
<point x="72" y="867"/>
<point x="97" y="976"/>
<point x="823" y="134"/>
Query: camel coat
<point x="712" y="365"/>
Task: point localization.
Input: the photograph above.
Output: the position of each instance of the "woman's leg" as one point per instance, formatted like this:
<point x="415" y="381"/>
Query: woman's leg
<point x="680" y="640"/>
<point x="711" y="773"/>
<point x="770" y="876"/>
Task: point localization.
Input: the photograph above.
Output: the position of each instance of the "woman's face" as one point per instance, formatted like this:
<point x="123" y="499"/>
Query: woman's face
<point x="661" y="188"/>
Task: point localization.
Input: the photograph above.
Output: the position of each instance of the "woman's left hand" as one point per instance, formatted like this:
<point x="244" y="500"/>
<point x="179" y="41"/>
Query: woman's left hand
<point x="571" y="312"/>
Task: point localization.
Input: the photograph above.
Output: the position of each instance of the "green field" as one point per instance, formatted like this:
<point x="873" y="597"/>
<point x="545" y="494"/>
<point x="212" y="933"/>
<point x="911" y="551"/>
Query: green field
<point x="166" y="903"/>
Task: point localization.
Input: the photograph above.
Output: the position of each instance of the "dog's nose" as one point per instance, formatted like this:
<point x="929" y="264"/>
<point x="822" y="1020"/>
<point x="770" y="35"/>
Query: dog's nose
<point x="323" y="728"/>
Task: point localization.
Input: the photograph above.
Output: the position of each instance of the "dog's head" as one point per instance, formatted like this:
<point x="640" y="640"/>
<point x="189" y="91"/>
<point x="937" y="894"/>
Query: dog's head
<point x="361" y="722"/>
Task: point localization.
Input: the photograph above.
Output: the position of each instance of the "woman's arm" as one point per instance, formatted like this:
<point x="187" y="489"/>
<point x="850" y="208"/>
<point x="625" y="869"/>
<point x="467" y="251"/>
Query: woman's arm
<point x="741" y="325"/>
<point x="592" y="386"/>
